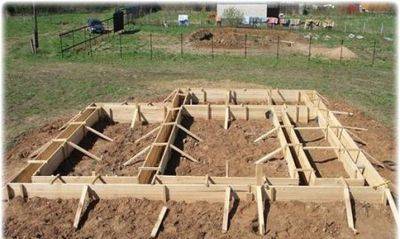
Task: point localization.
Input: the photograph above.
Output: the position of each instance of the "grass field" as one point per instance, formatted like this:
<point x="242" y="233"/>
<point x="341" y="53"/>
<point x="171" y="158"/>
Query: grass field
<point x="41" y="87"/>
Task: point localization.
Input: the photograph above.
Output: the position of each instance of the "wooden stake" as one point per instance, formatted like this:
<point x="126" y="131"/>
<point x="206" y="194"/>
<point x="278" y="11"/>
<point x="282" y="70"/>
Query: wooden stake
<point x="131" y="160"/>
<point x="81" y="204"/>
<point x="227" y="168"/>
<point x="99" y="134"/>
<point x="260" y="210"/>
<point x="226" y="124"/>
<point x="169" y="96"/>
<point x="39" y="150"/>
<point x="357" y="138"/>
<point x="135" y="116"/>
<point x="225" y="220"/>
<point x="392" y="205"/>
<point x="349" y="210"/>
<point x="82" y="150"/>
<point x="266" y="135"/>
<point x="259" y="174"/>
<point x="183" y="153"/>
<point x="148" y="134"/>
<point x="268" y="156"/>
<point x="189" y="133"/>
<point x="156" y="227"/>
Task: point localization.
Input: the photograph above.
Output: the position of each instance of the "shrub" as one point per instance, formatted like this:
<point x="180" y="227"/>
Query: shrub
<point x="233" y="16"/>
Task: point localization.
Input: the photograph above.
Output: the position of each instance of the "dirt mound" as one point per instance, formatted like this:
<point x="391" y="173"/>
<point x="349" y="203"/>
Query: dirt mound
<point x="201" y="35"/>
<point x="235" y="37"/>
<point x="334" y="53"/>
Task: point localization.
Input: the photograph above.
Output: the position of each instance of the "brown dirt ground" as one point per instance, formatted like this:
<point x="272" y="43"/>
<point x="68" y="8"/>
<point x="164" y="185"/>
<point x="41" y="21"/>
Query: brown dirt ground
<point x="261" y="41"/>
<point x="324" y="162"/>
<point x="127" y="218"/>
<point x="15" y="158"/>
<point x="113" y="154"/>
<point x="235" y="144"/>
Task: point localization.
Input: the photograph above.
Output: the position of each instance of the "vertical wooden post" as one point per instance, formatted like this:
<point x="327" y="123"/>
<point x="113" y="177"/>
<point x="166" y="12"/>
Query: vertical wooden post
<point x="277" y="48"/>
<point x="309" y="49"/>
<point x="382" y="29"/>
<point x="374" y="53"/>
<point x="151" y="47"/>
<point x="245" y="45"/>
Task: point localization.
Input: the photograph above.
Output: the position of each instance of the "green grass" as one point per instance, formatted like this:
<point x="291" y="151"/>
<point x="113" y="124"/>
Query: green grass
<point x="43" y="86"/>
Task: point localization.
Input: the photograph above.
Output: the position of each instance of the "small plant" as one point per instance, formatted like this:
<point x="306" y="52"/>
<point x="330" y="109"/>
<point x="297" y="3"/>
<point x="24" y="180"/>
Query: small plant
<point x="233" y="16"/>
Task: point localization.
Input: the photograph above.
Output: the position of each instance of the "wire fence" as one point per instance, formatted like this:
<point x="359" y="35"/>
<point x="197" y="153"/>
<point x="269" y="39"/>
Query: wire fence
<point x="156" y="45"/>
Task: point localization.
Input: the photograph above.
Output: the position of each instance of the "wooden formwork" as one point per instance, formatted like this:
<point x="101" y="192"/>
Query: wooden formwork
<point x="284" y="108"/>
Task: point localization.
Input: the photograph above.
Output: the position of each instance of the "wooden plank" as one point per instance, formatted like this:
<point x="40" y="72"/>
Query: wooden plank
<point x="184" y="154"/>
<point x="225" y="219"/>
<point x="265" y="135"/>
<point x="189" y="133"/>
<point x="160" y="218"/>
<point x="99" y="134"/>
<point x="39" y="150"/>
<point x="260" y="210"/>
<point x="349" y="209"/>
<point x="84" y="151"/>
<point x="197" y="192"/>
<point x="134" y="117"/>
<point x="269" y="156"/>
<point x="392" y="205"/>
<point x="226" y="123"/>
<point x="167" y="179"/>
<point x="82" y="200"/>
<point x="131" y="160"/>
<point x="148" y="134"/>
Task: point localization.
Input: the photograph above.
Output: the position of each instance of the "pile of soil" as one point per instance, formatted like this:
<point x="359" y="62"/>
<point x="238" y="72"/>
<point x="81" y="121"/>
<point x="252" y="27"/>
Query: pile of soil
<point x="334" y="53"/>
<point x="235" y="145"/>
<point x="262" y="41"/>
<point x="122" y="218"/>
<point x="113" y="154"/>
<point x="235" y="37"/>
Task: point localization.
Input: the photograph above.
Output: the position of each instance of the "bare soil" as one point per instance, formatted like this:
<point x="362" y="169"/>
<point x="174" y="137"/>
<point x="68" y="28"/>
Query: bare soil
<point x="113" y="154"/>
<point x="324" y="161"/>
<point x="16" y="157"/>
<point x="235" y="145"/>
<point x="127" y="218"/>
<point x="261" y="41"/>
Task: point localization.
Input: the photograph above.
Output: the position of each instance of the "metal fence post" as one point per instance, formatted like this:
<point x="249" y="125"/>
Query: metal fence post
<point x="212" y="47"/>
<point x="181" y="45"/>
<point x="245" y="45"/>
<point x="374" y="53"/>
<point x="309" y="49"/>
<point x="277" y="48"/>
<point x="151" y="47"/>
<point x="120" y="45"/>
<point x="90" y="45"/>
<point x="341" y="50"/>
<point x="61" y="47"/>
